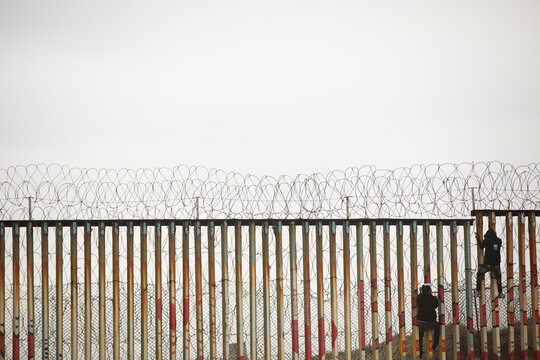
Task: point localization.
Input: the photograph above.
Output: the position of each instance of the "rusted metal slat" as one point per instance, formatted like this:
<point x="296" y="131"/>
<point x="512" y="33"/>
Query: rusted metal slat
<point x="266" y="292"/>
<point x="401" y="292"/>
<point x="374" y="297"/>
<point x="30" y="290"/>
<point x="212" y="289"/>
<point x="483" y="311"/>
<point x="440" y="292"/>
<point x="468" y="290"/>
<point x="239" y="293"/>
<point x="102" y="319"/>
<point x="427" y="280"/>
<point x="59" y="285"/>
<point x="279" y="289"/>
<point x="185" y="292"/>
<point x="294" y="291"/>
<point x="130" y="294"/>
<point x="252" y="293"/>
<point x="172" y="286"/>
<point x="510" y="306"/>
<point x="116" y="291"/>
<point x="495" y="304"/>
<point x="159" y="300"/>
<point x="320" y="292"/>
<point x="307" y="291"/>
<point x="2" y="291"/>
<point x="45" y="291"/>
<point x="414" y="289"/>
<point x="333" y="291"/>
<point x="144" y="290"/>
<point x="361" y="301"/>
<point x="198" y="286"/>
<point x="74" y="323"/>
<point x="347" y="289"/>
<point x="225" y="290"/>
<point x="534" y="284"/>
<point x="387" y="292"/>
<point x="16" y="292"/>
<point x="87" y="293"/>
<point x="522" y="287"/>
<point x="455" y="291"/>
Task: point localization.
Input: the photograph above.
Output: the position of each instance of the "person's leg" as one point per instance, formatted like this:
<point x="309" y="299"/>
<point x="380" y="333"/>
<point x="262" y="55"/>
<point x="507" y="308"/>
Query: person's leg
<point x="421" y="331"/>
<point x="482" y="269"/>
<point x="436" y="332"/>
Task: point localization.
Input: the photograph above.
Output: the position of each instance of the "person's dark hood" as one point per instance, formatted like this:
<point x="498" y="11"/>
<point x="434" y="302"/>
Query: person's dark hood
<point x="490" y="234"/>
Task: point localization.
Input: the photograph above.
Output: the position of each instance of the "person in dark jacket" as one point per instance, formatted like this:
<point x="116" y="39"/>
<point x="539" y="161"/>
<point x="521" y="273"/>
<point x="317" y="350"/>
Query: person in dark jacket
<point x="427" y="315"/>
<point x="492" y="260"/>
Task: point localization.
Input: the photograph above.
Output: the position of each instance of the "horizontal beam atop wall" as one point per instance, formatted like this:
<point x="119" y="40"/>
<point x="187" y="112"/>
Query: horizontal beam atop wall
<point x="503" y="212"/>
<point x="216" y="222"/>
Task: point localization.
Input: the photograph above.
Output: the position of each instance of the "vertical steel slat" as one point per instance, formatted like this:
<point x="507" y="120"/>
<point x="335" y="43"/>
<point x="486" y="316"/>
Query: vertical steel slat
<point x="483" y="312"/>
<point x="401" y="292"/>
<point x="45" y="290"/>
<point x="252" y="292"/>
<point x="102" y="320"/>
<point x="534" y="284"/>
<point x="159" y="301"/>
<point x="455" y="291"/>
<point x="468" y="291"/>
<point x="212" y="289"/>
<point x="427" y="280"/>
<point x="279" y="289"/>
<point x="16" y="292"/>
<point x="510" y="307"/>
<point x="495" y="303"/>
<point x="172" y="286"/>
<point x="130" y="294"/>
<point x="198" y="286"/>
<point x="294" y="291"/>
<point x="440" y="292"/>
<point x="347" y="289"/>
<point x="185" y="292"/>
<point x="387" y="291"/>
<point x="266" y="292"/>
<point x="333" y="290"/>
<point x="2" y="292"/>
<point x="74" y="323"/>
<point x="30" y="290"/>
<point x="307" y="291"/>
<point x="320" y="291"/>
<point x="374" y="297"/>
<point x="361" y="301"/>
<point x="87" y="293"/>
<point x="239" y="293"/>
<point x="116" y="291"/>
<point x="522" y="287"/>
<point x="225" y="290"/>
<point x="144" y="290"/>
<point x="414" y="288"/>
<point x="59" y="284"/>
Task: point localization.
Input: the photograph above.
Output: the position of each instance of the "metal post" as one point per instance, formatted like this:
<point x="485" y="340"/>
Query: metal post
<point x="307" y="292"/>
<point x="414" y="289"/>
<point x="534" y="285"/>
<point x="401" y="292"/>
<point x="59" y="284"/>
<point x="252" y="292"/>
<point x="510" y="307"/>
<point x="347" y="289"/>
<point x="333" y="290"/>
<point x="116" y="291"/>
<point x="239" y="293"/>
<point x="159" y="300"/>
<point x="320" y="292"/>
<point x="294" y="291"/>
<point x="374" y="297"/>
<point x="483" y="312"/>
<point x="455" y="291"/>
<point x="495" y="304"/>
<point x="440" y="287"/>
<point x="16" y="292"/>
<point x="30" y="289"/>
<point x="266" y="292"/>
<point x="185" y="292"/>
<point x="74" y="333"/>
<point x="2" y="292"/>
<point x="427" y="280"/>
<point x="523" y="287"/>
<point x="102" y="320"/>
<point x="172" y="286"/>
<point x="279" y="289"/>
<point x="225" y="290"/>
<point x="45" y="290"/>
<point x="87" y="293"/>
<point x="468" y="291"/>
<point x="361" y="307"/>
<point x="212" y="289"/>
<point x="387" y="291"/>
<point x="130" y="294"/>
<point x="198" y="286"/>
<point x="144" y="290"/>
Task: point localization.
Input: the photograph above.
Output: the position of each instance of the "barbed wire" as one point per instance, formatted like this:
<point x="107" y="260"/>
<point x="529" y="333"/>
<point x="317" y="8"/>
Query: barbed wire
<point x="435" y="190"/>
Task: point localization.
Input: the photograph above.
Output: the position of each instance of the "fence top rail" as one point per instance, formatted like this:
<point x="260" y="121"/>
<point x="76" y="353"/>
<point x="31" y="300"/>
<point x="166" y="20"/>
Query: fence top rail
<point x="486" y="212"/>
<point x="233" y="222"/>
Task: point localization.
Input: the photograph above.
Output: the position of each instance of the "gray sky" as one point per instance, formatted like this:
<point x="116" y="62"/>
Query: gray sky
<point x="269" y="87"/>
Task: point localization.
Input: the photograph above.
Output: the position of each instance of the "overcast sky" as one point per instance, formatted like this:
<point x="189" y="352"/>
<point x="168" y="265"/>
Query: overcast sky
<point x="269" y="87"/>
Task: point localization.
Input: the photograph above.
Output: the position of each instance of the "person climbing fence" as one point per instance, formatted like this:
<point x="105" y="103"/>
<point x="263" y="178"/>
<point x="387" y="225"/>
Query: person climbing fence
<point x="492" y="260"/>
<point x="427" y="315"/>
